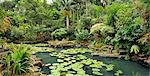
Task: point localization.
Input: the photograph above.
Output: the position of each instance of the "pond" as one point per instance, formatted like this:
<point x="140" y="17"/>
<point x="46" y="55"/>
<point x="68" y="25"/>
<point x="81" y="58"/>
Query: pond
<point x="82" y="62"/>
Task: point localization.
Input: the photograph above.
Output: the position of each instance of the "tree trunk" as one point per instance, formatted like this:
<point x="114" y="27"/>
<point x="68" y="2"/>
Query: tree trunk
<point x="86" y="9"/>
<point x="67" y="21"/>
<point x="145" y="17"/>
<point x="73" y="17"/>
<point x="77" y="15"/>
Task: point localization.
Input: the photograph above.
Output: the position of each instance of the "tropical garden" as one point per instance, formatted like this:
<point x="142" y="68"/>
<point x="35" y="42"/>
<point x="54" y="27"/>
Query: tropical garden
<point x="74" y="37"/>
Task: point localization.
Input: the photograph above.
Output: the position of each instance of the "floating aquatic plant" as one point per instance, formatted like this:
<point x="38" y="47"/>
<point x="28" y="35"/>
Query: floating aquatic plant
<point x="41" y="49"/>
<point x="47" y="64"/>
<point x="69" y="75"/>
<point x="95" y="69"/>
<point x="52" y="67"/>
<point x="87" y="62"/>
<point x="55" y="64"/>
<point x="119" y="72"/>
<point x="82" y="57"/>
<point x="72" y="61"/>
<point x="67" y="59"/>
<point x="60" y="60"/>
<point x="110" y="67"/>
<point x="97" y="73"/>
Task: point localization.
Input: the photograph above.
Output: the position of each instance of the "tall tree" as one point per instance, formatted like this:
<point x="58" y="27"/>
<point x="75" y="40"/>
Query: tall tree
<point x="65" y="6"/>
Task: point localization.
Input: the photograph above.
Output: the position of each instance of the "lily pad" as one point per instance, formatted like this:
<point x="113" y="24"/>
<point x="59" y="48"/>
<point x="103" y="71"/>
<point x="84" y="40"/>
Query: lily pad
<point x="119" y="72"/>
<point x="95" y="69"/>
<point x="97" y="73"/>
<point x="60" y="60"/>
<point x="52" y="67"/>
<point x="109" y="67"/>
<point x="55" y="64"/>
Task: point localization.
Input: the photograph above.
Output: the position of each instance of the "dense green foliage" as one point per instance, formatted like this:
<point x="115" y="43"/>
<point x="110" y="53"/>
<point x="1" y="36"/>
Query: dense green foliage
<point x="82" y="35"/>
<point x="106" y="25"/>
<point x="17" y="61"/>
<point x="121" y="24"/>
<point x="59" y="33"/>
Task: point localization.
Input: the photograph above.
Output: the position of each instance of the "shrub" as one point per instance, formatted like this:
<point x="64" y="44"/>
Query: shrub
<point x="102" y="29"/>
<point x="127" y="35"/>
<point x="144" y="42"/>
<point x="128" y="26"/>
<point x="26" y="32"/>
<point x="18" y="61"/>
<point x="86" y="22"/>
<point x="17" y="33"/>
<point x="59" y="33"/>
<point x="71" y="34"/>
<point x="111" y="13"/>
<point x="82" y="35"/>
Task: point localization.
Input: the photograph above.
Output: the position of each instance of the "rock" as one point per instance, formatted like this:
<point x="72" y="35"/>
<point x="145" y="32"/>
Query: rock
<point x="122" y="52"/>
<point x="147" y="61"/>
<point x="2" y="54"/>
<point x="62" y="43"/>
<point x="1" y="67"/>
<point x="135" y="58"/>
<point x="35" y="58"/>
<point x="46" y="65"/>
<point x="141" y="55"/>
<point x="35" y="74"/>
<point x="38" y="63"/>
<point x="142" y="58"/>
<point x="36" y="68"/>
<point x="78" y="46"/>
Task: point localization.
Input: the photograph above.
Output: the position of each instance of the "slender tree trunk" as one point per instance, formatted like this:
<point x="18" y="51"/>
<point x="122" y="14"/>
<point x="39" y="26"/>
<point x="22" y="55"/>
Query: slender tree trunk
<point x="86" y="9"/>
<point x="73" y="17"/>
<point x="67" y="21"/>
<point x="77" y="15"/>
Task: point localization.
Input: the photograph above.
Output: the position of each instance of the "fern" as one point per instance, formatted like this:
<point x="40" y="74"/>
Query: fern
<point x="135" y="49"/>
<point x="95" y="28"/>
<point x="102" y="28"/>
<point x="5" y="25"/>
<point x="145" y="39"/>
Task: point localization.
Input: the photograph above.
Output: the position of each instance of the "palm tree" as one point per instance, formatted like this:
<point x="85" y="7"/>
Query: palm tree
<point x="65" y="5"/>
